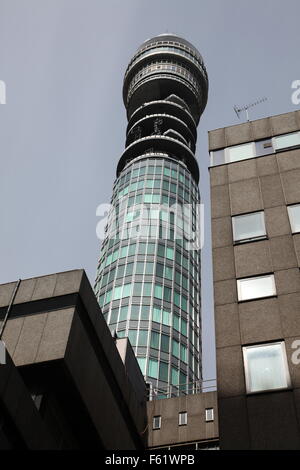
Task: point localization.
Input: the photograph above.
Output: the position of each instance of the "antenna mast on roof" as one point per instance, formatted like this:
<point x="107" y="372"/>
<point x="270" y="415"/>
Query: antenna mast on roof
<point x="238" y="109"/>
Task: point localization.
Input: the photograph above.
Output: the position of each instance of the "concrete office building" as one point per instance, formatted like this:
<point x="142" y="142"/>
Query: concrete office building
<point x="148" y="277"/>
<point x="66" y="384"/>
<point x="255" y="203"/>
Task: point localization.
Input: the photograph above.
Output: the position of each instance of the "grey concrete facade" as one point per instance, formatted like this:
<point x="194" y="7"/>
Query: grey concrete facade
<point x="269" y="183"/>
<point x="198" y="432"/>
<point x="62" y="352"/>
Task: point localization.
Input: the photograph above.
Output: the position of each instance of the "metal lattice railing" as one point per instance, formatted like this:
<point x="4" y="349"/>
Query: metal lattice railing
<point x="171" y="391"/>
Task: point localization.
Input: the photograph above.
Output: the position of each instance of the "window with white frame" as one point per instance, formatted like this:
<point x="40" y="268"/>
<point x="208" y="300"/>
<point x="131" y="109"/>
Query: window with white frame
<point x="266" y="367"/>
<point x="209" y="414"/>
<point x="156" y="422"/>
<point x="286" y="141"/>
<point x="248" y="227"/>
<point x="182" y="418"/>
<point x="240" y="152"/>
<point x="294" y="215"/>
<point x="255" y="149"/>
<point x="256" y="287"/>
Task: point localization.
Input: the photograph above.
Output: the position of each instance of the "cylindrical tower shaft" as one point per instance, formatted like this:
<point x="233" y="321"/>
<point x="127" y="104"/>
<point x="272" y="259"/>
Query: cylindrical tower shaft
<point x="148" y="278"/>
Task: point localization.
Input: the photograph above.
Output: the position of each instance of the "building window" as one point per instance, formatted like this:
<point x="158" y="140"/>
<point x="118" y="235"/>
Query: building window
<point x="209" y="414"/>
<point x="256" y="287"/>
<point x="286" y="141"/>
<point x="153" y="368"/>
<point x="182" y="418"/>
<point x="294" y="215"/>
<point x="156" y="422"/>
<point x="240" y="152"/>
<point x="249" y="227"/>
<point x="266" y="367"/>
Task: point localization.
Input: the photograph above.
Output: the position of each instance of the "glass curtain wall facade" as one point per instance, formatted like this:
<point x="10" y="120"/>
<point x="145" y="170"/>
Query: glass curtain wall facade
<point x="148" y="276"/>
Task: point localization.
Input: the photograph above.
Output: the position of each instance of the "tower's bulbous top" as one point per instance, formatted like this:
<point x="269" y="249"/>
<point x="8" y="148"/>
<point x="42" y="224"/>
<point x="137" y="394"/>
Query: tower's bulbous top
<point x="173" y="38"/>
<point x="162" y="66"/>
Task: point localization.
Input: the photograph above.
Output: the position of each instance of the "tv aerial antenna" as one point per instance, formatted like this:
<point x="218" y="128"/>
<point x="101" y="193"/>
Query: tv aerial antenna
<point x="239" y="109"/>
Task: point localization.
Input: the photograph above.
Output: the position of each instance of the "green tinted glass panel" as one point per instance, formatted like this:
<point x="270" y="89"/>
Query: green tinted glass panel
<point x="123" y="252"/>
<point x="142" y="364"/>
<point x="176" y="322"/>
<point x="132" y="249"/>
<point x="135" y="310"/>
<point x="147" y="289"/>
<point x="158" y="291"/>
<point x="175" y="348"/>
<point x="137" y="288"/>
<point x="151" y="249"/>
<point x="123" y="313"/>
<point x="132" y="336"/>
<point x="159" y="269"/>
<point x="127" y="288"/>
<point x="154" y="340"/>
<point x="166" y="318"/>
<point x="148" y="198"/>
<point x="174" y="376"/>
<point x="114" y="316"/>
<point x="167" y="294"/>
<point x="142" y="248"/>
<point x="161" y="250"/>
<point x="176" y="299"/>
<point x="183" y="353"/>
<point x="184" y="327"/>
<point x="165" y="341"/>
<point x="153" y="368"/>
<point x="139" y="268"/>
<point x="170" y="253"/>
<point x="145" y="312"/>
<point x="129" y="269"/>
<point x="163" y="371"/>
<point x="149" y="268"/>
<point x="184" y="303"/>
<point x="169" y="273"/>
<point x="143" y="338"/>
<point x="120" y="271"/>
<point x="156" y="315"/>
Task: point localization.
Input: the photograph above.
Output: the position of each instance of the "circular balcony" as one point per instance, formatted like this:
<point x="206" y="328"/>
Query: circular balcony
<point x="159" y="124"/>
<point x="154" y="143"/>
<point x="164" y="107"/>
<point x="162" y="66"/>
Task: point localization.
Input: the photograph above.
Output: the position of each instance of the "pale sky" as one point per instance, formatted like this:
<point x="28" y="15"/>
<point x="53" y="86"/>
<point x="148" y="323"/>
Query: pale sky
<point x="62" y="129"/>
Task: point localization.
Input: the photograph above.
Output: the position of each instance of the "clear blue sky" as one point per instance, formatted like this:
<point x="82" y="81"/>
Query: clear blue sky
<point x="63" y="127"/>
